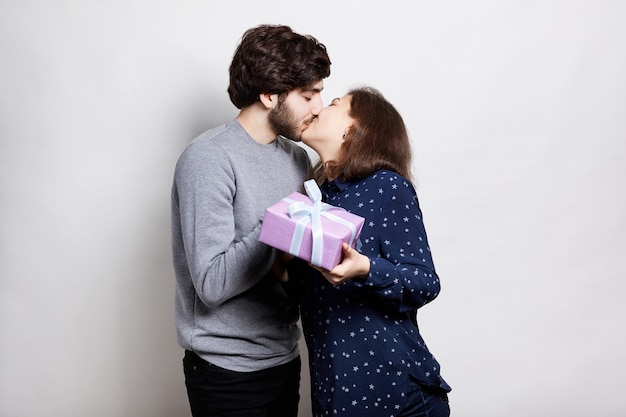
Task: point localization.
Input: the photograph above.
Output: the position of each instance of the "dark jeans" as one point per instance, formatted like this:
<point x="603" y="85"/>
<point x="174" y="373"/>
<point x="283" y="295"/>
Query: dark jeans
<point x="425" y="402"/>
<point x="218" y="392"/>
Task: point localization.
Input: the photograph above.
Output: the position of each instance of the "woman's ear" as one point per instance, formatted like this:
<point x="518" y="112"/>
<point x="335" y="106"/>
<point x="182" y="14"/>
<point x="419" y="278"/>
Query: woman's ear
<point x="270" y="101"/>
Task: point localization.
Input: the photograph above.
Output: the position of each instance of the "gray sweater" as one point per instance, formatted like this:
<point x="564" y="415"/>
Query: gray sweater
<point x="229" y="309"/>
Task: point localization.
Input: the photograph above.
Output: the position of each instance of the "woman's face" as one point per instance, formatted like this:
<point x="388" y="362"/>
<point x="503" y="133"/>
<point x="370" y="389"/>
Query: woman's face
<point x="325" y="134"/>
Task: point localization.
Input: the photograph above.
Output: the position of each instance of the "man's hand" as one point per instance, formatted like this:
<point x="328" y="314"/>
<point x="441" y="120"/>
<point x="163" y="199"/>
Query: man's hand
<point x="279" y="269"/>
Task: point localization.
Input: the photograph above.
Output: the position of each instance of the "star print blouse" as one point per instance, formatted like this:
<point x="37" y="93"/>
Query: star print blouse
<point x="362" y="335"/>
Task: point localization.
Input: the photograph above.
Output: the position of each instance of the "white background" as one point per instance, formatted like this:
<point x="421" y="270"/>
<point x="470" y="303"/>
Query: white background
<point x="516" y="111"/>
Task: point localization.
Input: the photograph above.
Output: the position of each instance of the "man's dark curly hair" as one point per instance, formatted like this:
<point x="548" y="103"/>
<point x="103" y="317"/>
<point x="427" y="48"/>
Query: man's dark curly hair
<point x="273" y="59"/>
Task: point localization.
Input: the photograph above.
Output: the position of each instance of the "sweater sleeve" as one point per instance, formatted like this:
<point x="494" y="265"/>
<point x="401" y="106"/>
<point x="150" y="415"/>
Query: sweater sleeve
<point x="221" y="264"/>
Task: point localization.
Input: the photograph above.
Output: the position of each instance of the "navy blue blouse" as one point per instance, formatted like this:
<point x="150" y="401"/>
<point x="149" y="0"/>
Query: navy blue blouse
<point x="362" y="335"/>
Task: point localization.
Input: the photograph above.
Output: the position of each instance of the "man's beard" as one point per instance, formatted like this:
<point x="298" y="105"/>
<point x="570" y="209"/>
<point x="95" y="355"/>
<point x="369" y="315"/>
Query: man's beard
<point x="283" y="121"/>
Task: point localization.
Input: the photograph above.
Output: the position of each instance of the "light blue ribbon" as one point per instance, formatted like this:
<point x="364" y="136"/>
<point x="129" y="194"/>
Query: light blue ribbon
<point x="313" y="215"/>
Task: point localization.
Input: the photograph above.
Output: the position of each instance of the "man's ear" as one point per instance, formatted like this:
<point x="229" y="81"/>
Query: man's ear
<point x="270" y="101"/>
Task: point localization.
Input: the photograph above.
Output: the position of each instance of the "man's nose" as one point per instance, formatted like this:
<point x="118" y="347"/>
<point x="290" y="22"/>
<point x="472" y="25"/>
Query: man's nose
<point x="316" y="105"/>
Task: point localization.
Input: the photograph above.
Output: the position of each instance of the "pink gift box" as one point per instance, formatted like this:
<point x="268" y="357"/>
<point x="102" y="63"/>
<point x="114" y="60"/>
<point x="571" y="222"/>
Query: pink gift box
<point x="294" y="234"/>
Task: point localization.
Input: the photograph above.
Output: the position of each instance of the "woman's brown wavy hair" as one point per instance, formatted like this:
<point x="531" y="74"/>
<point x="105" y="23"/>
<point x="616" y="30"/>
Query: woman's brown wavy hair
<point x="377" y="140"/>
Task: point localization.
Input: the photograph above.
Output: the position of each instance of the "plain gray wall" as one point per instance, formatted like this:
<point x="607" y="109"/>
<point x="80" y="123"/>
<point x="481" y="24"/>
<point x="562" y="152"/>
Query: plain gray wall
<point x="516" y="110"/>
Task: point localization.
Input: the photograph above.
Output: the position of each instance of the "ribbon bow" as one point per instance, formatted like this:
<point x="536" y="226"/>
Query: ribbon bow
<point x="313" y="213"/>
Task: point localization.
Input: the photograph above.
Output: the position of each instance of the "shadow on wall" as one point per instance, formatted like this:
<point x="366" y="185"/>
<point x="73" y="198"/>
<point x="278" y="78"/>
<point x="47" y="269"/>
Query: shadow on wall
<point x="207" y="112"/>
<point x="152" y="360"/>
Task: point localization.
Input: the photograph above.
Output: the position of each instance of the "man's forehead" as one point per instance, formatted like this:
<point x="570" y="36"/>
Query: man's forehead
<point x="315" y="87"/>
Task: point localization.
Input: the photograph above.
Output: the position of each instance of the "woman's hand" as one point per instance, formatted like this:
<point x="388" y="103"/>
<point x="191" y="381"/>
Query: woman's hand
<point x="352" y="265"/>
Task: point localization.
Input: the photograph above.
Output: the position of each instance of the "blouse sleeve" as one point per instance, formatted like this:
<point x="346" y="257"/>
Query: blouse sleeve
<point x="402" y="270"/>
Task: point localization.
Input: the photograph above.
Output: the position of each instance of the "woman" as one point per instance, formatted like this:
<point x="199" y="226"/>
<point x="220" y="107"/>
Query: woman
<point x="366" y="355"/>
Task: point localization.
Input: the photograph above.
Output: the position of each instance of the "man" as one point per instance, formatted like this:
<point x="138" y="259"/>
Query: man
<point x="233" y="317"/>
